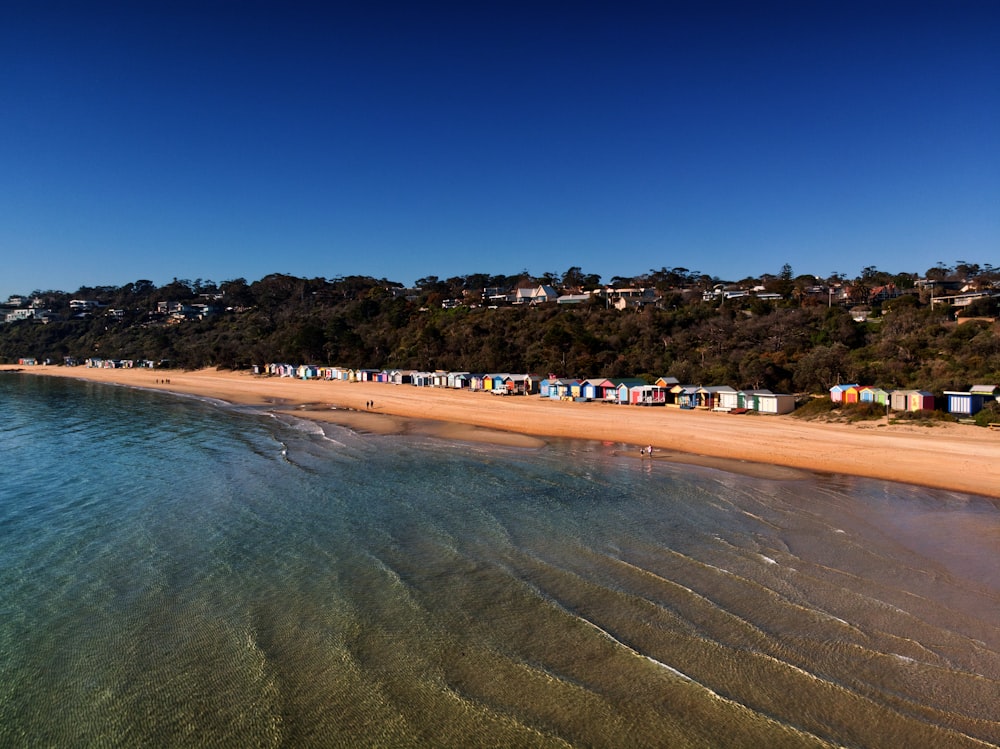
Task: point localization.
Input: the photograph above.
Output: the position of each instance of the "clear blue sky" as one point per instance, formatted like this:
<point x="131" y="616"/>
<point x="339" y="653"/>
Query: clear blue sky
<point x="232" y="138"/>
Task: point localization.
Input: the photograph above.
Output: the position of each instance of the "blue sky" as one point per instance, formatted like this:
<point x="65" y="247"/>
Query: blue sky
<point x="233" y="138"/>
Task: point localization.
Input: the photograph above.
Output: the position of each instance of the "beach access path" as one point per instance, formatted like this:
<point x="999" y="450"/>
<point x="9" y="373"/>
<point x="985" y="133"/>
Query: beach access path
<point x="956" y="457"/>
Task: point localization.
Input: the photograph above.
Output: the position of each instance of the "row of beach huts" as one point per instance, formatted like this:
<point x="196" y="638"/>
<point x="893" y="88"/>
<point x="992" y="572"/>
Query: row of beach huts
<point x="633" y="391"/>
<point x="958" y="402"/>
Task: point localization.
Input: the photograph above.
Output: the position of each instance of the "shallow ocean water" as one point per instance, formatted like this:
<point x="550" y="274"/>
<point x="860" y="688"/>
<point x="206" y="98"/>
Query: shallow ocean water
<point x="177" y="572"/>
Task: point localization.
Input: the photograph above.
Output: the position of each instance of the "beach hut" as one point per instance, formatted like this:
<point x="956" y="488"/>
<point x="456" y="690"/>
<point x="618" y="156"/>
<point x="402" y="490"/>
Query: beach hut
<point x="837" y="392"/>
<point x="562" y="388"/>
<point x="667" y="382"/>
<point x="420" y="379"/>
<point x="852" y="394"/>
<point x="775" y="403"/>
<point x="458" y="380"/>
<point x="728" y="399"/>
<point x="519" y="384"/>
<point x="989" y="392"/>
<point x="648" y="395"/>
<point x="750" y="399"/>
<point x="708" y="397"/>
<point x="401" y="376"/>
<point x="872" y="394"/>
<point x="684" y="396"/>
<point x="492" y="381"/>
<point x="898" y="399"/>
<point x="623" y="388"/>
<point x="544" y="386"/>
<point x="597" y="389"/>
<point x="964" y="403"/>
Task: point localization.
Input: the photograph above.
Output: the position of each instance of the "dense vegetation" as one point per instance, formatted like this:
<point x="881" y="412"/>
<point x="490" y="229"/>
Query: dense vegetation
<point x="792" y="344"/>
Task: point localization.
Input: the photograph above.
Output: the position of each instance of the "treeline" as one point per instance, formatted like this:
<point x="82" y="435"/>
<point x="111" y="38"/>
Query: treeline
<point x="796" y="344"/>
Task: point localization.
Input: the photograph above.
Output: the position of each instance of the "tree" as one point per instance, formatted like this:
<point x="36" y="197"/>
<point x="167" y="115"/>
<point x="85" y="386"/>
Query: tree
<point x="939" y="272"/>
<point x="820" y="369"/>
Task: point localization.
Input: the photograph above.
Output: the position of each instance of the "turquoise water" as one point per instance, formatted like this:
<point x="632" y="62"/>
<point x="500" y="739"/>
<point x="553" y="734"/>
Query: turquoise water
<point x="181" y="573"/>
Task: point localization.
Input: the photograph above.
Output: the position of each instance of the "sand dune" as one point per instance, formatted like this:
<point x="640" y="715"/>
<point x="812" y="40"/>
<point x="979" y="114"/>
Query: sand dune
<point x="948" y="456"/>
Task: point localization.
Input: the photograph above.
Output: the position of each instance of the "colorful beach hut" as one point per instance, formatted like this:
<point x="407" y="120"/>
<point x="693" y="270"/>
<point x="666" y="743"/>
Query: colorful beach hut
<point x="709" y="397"/>
<point x="684" y="396"/>
<point x="623" y="388"/>
<point x="837" y="392"/>
<point x="852" y="394"/>
<point x="872" y="394"/>
<point x="648" y="395"/>
<point x="989" y="392"/>
<point x="597" y="389"/>
<point x="562" y="388"/>
<point x="964" y="403"/>
<point x="921" y="400"/>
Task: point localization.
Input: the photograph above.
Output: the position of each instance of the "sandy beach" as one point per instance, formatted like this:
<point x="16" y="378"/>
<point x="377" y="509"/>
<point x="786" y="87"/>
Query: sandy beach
<point x="947" y="456"/>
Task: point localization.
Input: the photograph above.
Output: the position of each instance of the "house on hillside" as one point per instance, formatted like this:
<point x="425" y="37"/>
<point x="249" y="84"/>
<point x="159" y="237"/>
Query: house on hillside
<point x="537" y="295"/>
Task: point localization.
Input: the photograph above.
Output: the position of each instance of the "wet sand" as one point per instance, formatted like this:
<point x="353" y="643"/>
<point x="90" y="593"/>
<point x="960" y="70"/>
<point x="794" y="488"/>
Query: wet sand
<point x="948" y="456"/>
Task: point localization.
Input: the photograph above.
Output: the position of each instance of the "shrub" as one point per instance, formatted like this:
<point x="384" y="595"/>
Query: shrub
<point x="922" y="418"/>
<point x="815" y="408"/>
<point x="862" y="411"/>
<point x="990" y="414"/>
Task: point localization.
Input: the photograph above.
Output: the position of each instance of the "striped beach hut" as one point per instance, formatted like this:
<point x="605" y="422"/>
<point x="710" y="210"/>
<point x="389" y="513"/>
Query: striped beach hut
<point x="964" y="403"/>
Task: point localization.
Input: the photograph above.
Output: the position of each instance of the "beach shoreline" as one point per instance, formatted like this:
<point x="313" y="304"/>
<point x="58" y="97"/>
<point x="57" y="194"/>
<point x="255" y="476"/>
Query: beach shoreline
<point x="946" y="456"/>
